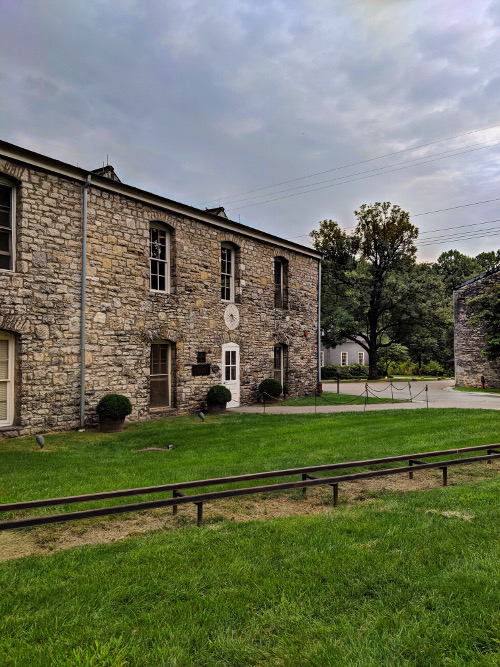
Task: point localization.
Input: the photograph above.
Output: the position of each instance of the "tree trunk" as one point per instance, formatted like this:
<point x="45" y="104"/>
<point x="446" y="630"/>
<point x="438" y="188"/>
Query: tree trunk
<point x="372" y="360"/>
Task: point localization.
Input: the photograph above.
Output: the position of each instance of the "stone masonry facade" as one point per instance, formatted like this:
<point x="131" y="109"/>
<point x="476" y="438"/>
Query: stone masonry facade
<point x="40" y="299"/>
<point x="470" y="364"/>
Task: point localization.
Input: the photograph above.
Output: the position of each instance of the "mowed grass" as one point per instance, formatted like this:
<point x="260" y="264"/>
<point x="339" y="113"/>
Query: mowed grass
<point x="76" y="463"/>
<point x="379" y="582"/>
<point x="330" y="398"/>
<point x="373" y="584"/>
<point x="478" y="390"/>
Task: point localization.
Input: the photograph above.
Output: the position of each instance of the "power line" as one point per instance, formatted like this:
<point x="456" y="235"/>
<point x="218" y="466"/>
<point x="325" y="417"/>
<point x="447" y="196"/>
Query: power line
<point x="451" y="208"/>
<point x="472" y="224"/>
<point x="352" y="164"/>
<point x="458" y="238"/>
<point x="412" y="162"/>
<point x="433" y="231"/>
<point x="362" y="178"/>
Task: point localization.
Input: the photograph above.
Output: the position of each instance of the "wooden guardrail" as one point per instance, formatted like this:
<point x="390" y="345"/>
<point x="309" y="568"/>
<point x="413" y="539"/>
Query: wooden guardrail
<point x="180" y="498"/>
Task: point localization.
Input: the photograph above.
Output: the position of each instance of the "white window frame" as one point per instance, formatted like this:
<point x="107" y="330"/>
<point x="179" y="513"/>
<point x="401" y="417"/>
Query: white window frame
<point x="232" y="255"/>
<point x="278" y="286"/>
<point x="322" y="358"/>
<point x="344" y="359"/>
<point x="361" y="356"/>
<point x="168" y="374"/>
<point x="166" y="262"/>
<point x="11" y="185"/>
<point x="278" y="371"/>
<point x="9" y="381"/>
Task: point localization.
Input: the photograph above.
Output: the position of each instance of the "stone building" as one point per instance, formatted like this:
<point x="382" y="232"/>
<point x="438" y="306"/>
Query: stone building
<point x="470" y="364"/>
<point x="175" y="298"/>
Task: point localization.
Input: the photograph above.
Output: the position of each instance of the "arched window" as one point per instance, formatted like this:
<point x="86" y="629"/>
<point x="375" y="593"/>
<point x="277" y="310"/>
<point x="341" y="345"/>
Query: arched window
<point x="280" y="282"/>
<point x="159" y="257"/>
<point x="227" y="257"/>
<point x="6" y="379"/>
<point x="280" y="363"/>
<point x="7" y="223"/>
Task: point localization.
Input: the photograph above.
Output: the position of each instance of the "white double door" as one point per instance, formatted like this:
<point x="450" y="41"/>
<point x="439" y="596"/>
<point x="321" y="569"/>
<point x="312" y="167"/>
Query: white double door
<point x="231" y="372"/>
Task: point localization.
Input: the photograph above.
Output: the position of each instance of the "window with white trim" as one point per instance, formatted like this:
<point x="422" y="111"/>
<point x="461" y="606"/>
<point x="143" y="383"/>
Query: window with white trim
<point x="7" y="223"/>
<point x="278" y="364"/>
<point x="280" y="283"/>
<point x="322" y="358"/>
<point x="160" y="378"/>
<point x="6" y="379"/>
<point x="343" y="358"/>
<point x="361" y="358"/>
<point x="159" y="257"/>
<point x="227" y="272"/>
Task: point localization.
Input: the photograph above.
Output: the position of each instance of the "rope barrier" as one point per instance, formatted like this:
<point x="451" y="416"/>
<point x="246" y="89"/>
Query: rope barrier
<point x="366" y="393"/>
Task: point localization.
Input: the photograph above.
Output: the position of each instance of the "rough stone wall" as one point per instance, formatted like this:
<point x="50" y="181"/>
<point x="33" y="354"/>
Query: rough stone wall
<point x="470" y="364"/>
<point x="40" y="303"/>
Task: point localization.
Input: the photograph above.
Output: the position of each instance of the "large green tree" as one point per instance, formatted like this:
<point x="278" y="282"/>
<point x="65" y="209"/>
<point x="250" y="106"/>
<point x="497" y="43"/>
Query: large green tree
<point x="455" y="268"/>
<point x="373" y="291"/>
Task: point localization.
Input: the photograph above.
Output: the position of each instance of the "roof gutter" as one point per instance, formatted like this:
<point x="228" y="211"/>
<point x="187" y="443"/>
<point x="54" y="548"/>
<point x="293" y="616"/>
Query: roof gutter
<point x="83" y="302"/>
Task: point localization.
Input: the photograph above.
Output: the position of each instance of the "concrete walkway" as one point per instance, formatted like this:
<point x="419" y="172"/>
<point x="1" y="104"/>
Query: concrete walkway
<point x="440" y="395"/>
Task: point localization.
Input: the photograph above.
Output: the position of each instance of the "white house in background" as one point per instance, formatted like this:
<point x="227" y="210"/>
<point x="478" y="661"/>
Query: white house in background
<point x="347" y="354"/>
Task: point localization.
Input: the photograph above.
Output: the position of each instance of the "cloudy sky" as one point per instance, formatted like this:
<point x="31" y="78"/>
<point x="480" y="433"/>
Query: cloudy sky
<point x="285" y="112"/>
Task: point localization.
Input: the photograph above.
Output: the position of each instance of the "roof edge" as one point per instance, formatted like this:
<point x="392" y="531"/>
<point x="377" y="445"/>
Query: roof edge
<point x="490" y="272"/>
<point x="46" y="163"/>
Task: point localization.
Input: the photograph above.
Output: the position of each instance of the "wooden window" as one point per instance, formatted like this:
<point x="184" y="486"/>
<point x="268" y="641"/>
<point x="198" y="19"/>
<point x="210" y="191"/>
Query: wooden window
<point x="361" y="358"/>
<point x="159" y="253"/>
<point x="160" y="375"/>
<point x="227" y="273"/>
<point x="343" y="358"/>
<point x="6" y="379"/>
<point x="280" y="283"/>
<point x="278" y="363"/>
<point x="7" y="224"/>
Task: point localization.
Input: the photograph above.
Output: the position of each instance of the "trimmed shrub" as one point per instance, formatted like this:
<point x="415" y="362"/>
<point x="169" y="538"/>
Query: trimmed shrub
<point x="114" y="406"/>
<point x="218" y="395"/>
<point x="271" y="387"/>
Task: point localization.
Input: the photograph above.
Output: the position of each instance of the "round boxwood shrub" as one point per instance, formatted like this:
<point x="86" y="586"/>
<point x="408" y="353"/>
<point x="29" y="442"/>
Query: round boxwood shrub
<point x="218" y="395"/>
<point x="271" y="387"/>
<point x="114" y="406"/>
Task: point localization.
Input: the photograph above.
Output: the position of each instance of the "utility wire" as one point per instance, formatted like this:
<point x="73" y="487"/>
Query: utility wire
<point x="412" y="162"/>
<point x="472" y="224"/>
<point x="457" y="238"/>
<point x="352" y="164"/>
<point x="361" y="178"/>
<point x="451" y="208"/>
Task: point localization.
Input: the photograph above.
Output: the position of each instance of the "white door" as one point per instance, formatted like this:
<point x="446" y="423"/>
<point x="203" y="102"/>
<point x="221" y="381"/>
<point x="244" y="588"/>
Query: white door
<point x="6" y="379"/>
<point x="231" y="372"/>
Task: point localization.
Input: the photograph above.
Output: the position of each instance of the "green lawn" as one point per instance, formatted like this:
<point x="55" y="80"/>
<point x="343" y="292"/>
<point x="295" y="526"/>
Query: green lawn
<point x="76" y="463"/>
<point x="388" y="581"/>
<point x="478" y="389"/>
<point x="330" y="398"/>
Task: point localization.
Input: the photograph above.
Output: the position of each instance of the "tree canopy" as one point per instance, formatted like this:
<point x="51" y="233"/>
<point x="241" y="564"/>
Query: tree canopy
<point x="373" y="291"/>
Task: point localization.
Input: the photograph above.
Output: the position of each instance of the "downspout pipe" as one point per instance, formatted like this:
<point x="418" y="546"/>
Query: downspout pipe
<point x="319" y="322"/>
<point x="83" y="302"/>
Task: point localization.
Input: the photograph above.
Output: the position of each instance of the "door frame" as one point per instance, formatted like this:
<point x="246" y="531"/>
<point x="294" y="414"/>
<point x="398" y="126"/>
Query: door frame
<point x="234" y="389"/>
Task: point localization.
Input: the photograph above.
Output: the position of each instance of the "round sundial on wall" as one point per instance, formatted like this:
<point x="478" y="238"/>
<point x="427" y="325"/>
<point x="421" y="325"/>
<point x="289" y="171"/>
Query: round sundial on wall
<point x="231" y="316"/>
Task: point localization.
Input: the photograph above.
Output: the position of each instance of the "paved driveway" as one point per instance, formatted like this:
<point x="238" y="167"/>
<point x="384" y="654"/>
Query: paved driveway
<point x="440" y="395"/>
